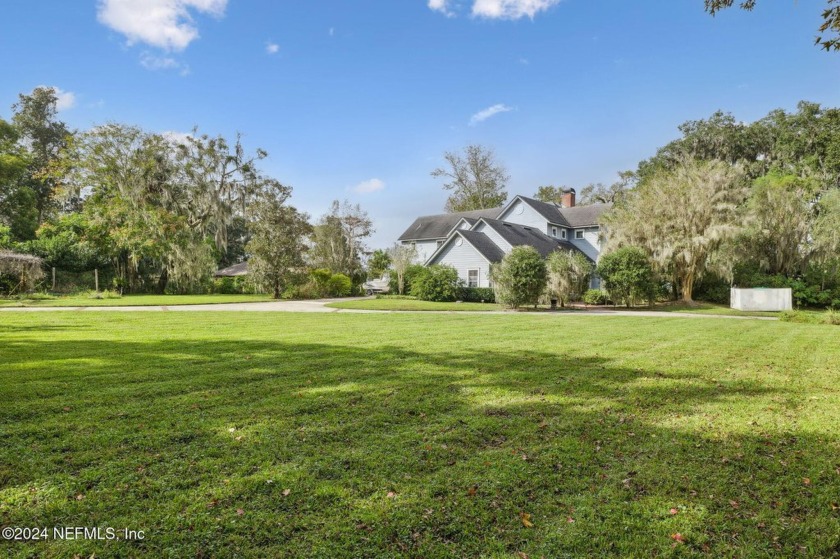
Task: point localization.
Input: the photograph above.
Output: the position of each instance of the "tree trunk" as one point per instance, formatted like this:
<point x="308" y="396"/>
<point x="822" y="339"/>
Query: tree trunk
<point x="163" y="281"/>
<point x="688" y="289"/>
<point x="276" y="289"/>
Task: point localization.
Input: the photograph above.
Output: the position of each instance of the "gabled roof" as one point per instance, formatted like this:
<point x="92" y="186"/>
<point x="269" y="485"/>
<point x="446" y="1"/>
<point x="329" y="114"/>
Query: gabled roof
<point x="575" y="217"/>
<point x="522" y="235"/>
<point x="432" y="227"/>
<point x="515" y="235"/>
<point x="482" y="243"/>
<point x="584" y="216"/>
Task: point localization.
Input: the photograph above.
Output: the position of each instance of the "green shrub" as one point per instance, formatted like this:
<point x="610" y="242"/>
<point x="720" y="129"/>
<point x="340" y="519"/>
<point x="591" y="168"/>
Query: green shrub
<point x="595" y="297"/>
<point x="712" y="289"/>
<point x="628" y="276"/>
<point x="520" y="278"/>
<point x="233" y="286"/>
<point x="436" y="283"/>
<point x="339" y="285"/>
<point x="411" y="274"/>
<point x="477" y="295"/>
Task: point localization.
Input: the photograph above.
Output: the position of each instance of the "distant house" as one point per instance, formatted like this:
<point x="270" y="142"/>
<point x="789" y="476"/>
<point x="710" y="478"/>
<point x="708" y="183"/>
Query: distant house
<point x="234" y="271"/>
<point x="471" y="241"/>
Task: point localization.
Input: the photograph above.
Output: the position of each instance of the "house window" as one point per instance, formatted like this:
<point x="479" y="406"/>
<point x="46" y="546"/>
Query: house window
<point x="472" y="278"/>
<point x="554" y="232"/>
<point x="579" y="234"/>
<point x="562" y="233"/>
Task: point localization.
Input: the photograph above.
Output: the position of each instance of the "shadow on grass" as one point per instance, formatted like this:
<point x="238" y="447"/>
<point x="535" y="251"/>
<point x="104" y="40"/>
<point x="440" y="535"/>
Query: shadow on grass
<point x="222" y="448"/>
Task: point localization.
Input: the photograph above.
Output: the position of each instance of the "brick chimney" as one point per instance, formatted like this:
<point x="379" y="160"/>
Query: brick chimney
<point x="567" y="200"/>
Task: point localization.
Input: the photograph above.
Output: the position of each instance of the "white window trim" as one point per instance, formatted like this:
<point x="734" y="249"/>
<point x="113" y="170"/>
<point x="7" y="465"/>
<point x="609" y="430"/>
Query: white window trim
<point x="477" y="277"/>
<point x="581" y="233"/>
<point x="554" y="232"/>
<point x="562" y="233"/>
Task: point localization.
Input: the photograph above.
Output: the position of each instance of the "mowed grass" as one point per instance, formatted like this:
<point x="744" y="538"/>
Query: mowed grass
<point x="344" y="436"/>
<point x="133" y="300"/>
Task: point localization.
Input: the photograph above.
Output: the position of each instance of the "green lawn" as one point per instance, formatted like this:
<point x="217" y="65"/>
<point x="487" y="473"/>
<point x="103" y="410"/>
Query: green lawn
<point x="412" y="305"/>
<point x="409" y="435"/>
<point x="706" y="308"/>
<point x="132" y="300"/>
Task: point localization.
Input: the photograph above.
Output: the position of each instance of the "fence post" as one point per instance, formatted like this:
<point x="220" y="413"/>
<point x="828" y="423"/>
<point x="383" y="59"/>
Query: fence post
<point x="96" y="278"/>
<point x="53" y="287"/>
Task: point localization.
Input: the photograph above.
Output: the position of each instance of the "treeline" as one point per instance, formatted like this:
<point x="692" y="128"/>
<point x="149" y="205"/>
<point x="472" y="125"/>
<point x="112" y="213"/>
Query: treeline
<point x="154" y="212"/>
<point x="733" y="203"/>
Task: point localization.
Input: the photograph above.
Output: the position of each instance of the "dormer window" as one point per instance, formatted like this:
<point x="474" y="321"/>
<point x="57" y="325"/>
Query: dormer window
<point x="579" y="234"/>
<point x="563" y="234"/>
<point x="554" y="232"/>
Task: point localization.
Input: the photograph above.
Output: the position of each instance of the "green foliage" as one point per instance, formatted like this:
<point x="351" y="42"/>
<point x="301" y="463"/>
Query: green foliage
<point x="378" y="264"/>
<point x="233" y="285"/>
<point x="477" y="295"/>
<point x="681" y="216"/>
<point x="476" y="179"/>
<point x="520" y="278"/>
<point x="278" y="244"/>
<point x="779" y="222"/>
<point x="627" y="275"/>
<point x="339" y="285"/>
<point x="595" y="297"/>
<point x="6" y="241"/>
<point x="713" y="289"/>
<point x="436" y="283"/>
<point x="569" y="272"/>
<point x="65" y="243"/>
<point x="326" y="284"/>
<point x="410" y="275"/>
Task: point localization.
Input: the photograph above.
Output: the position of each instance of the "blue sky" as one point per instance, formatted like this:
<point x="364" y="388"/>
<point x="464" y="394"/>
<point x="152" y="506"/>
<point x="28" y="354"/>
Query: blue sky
<point x="359" y="99"/>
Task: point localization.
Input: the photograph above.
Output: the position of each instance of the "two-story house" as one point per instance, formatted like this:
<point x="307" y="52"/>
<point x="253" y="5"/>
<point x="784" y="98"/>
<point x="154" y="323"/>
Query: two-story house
<point x="471" y="241"/>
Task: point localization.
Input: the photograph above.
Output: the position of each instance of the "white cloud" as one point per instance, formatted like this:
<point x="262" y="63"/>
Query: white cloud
<point x="511" y="9"/>
<point x="167" y="24"/>
<point x="151" y="61"/>
<point x="366" y="187"/>
<point x="497" y="9"/>
<point x="332" y="31"/>
<point x="441" y="6"/>
<point x="64" y="99"/>
<point x="489" y="112"/>
<point x="272" y="48"/>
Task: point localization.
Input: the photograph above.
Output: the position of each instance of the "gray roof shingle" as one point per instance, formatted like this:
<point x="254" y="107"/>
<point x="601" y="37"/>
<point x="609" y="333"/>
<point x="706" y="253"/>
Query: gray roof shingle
<point x="577" y="216"/>
<point x="439" y="226"/>
<point x="482" y="243"/>
<point x="521" y="235"/>
<point x="240" y="269"/>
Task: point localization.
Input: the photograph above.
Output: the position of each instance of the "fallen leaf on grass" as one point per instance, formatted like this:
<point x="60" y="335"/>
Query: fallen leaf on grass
<point x="674" y="511"/>
<point x="526" y="519"/>
<point x="678" y="537"/>
<point x="521" y="555"/>
<point x="806" y="481"/>
<point x="735" y="504"/>
<point x="472" y="491"/>
<point x="570" y="520"/>
<point x="391" y="495"/>
<point x="79" y="497"/>
<point x="286" y="492"/>
<point x="239" y="512"/>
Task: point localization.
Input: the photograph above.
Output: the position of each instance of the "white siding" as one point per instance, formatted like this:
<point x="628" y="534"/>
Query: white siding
<point x="529" y="217"/>
<point x="589" y="244"/>
<point x="481" y="227"/>
<point x="464" y="258"/>
<point x="424" y="249"/>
